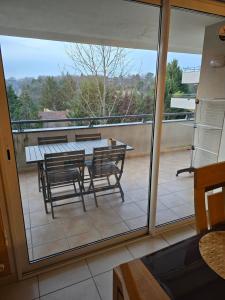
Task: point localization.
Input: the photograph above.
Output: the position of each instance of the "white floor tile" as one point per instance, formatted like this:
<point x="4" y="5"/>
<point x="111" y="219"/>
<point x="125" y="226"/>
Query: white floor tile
<point x="85" y="290"/>
<point x="146" y="246"/>
<point x="104" y="284"/>
<point x="50" y="248"/>
<point x="74" y="227"/>
<point x="108" y="260"/>
<point x="63" y="277"/>
<point x="179" y="234"/>
<point x="92" y="235"/>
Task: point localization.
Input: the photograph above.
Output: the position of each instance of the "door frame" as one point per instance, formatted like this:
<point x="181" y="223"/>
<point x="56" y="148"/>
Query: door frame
<point x="5" y="231"/>
<point x="8" y="161"/>
<point x="10" y="178"/>
<point x="206" y="6"/>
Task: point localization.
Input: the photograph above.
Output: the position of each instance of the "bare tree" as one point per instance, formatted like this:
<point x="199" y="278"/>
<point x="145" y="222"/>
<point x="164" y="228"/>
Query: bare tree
<point x="101" y="64"/>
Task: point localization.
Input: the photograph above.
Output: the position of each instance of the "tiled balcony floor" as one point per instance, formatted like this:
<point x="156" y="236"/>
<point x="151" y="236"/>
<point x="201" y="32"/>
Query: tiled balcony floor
<point x="73" y="227"/>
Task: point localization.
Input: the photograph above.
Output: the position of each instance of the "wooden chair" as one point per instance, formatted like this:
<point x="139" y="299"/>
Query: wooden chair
<point x="106" y="162"/>
<point x="133" y="281"/>
<point x="44" y="141"/>
<point x="60" y="170"/>
<point x="83" y="138"/>
<point x="87" y="137"/>
<point x="206" y="179"/>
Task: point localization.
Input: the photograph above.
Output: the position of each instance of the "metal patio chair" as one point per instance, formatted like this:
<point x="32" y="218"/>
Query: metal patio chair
<point x="60" y="170"/>
<point x="106" y="162"/>
<point x="44" y="141"/>
<point x="84" y="138"/>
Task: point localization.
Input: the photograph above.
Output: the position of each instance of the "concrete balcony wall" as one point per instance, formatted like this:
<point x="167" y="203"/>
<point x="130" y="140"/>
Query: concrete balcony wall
<point x="176" y="134"/>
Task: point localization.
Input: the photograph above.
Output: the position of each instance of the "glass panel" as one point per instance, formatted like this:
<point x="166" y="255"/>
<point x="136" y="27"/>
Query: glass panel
<point x="187" y="59"/>
<point x="67" y="99"/>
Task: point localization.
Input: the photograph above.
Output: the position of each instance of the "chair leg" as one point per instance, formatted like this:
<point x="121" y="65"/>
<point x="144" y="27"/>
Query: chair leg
<point x="93" y="187"/>
<point x="82" y="181"/>
<point x="74" y="185"/>
<point x="82" y="196"/>
<point x="39" y="177"/>
<point x="82" y="184"/>
<point x="92" y="184"/>
<point x="120" y="188"/>
<point x="108" y="180"/>
<point x="51" y="203"/>
<point x="44" y="194"/>
<point x="52" y="210"/>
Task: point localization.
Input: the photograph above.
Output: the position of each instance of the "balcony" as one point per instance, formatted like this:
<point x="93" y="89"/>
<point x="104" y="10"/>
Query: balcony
<point x="72" y="227"/>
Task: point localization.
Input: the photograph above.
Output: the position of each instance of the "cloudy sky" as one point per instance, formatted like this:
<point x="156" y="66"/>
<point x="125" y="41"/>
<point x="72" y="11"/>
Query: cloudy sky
<point x="23" y="57"/>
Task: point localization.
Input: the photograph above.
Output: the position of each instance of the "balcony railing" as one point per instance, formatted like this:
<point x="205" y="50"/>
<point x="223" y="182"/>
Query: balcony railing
<point x="191" y="75"/>
<point x="192" y="69"/>
<point x="185" y="96"/>
<point x="134" y="130"/>
<point x="91" y="122"/>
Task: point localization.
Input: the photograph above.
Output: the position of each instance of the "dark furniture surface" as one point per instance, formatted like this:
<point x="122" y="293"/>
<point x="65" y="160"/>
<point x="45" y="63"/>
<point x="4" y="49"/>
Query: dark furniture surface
<point x="36" y="154"/>
<point x="60" y="170"/>
<point x="107" y="162"/>
<point x="87" y="137"/>
<point x="183" y="274"/>
<point x="179" y="272"/>
<point x="44" y="140"/>
<point x="40" y="153"/>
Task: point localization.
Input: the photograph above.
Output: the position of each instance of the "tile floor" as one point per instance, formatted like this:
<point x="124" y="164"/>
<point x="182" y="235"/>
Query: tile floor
<point x="73" y="227"/>
<point x="91" y="278"/>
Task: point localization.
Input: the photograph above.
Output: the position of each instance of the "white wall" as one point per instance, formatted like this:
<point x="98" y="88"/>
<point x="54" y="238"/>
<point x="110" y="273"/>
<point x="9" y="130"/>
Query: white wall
<point x="210" y="111"/>
<point x="212" y="80"/>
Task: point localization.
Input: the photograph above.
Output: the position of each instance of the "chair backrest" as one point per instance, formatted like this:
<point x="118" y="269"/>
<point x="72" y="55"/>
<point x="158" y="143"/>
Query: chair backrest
<point x="106" y="155"/>
<point x="52" y="140"/>
<point x="207" y="179"/>
<point x="87" y="137"/>
<point x="64" y="161"/>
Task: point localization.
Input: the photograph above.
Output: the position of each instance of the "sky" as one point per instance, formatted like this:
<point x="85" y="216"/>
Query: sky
<point x="26" y="57"/>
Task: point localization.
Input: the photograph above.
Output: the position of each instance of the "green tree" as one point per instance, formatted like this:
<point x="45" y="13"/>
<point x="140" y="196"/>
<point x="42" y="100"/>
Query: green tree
<point x="27" y="110"/>
<point x="13" y="103"/>
<point x="50" y="95"/>
<point x="67" y="90"/>
<point x="85" y="101"/>
<point x="173" y="83"/>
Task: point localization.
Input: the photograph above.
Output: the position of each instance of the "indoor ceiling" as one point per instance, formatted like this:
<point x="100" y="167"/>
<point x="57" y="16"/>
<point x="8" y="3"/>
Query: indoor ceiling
<point x="111" y="22"/>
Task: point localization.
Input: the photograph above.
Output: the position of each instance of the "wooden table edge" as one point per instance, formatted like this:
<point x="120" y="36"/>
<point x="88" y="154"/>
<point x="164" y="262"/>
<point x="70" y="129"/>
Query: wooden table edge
<point x="32" y="161"/>
<point x="133" y="281"/>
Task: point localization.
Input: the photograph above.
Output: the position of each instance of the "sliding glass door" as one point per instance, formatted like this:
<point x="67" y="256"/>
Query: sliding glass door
<point x="189" y="137"/>
<point x="67" y="101"/>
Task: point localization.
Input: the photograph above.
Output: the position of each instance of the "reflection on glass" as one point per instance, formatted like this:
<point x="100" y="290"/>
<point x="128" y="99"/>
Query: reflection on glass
<point x="180" y="138"/>
<point x="81" y="119"/>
